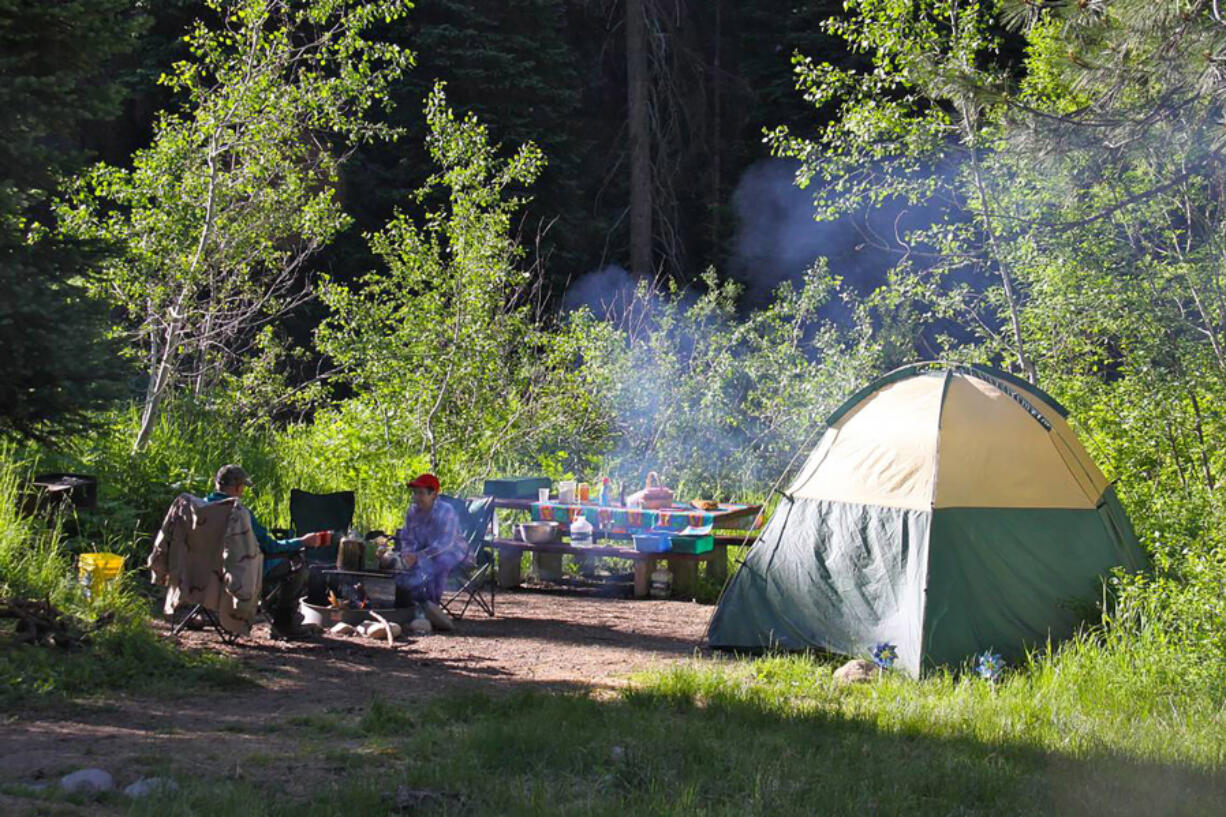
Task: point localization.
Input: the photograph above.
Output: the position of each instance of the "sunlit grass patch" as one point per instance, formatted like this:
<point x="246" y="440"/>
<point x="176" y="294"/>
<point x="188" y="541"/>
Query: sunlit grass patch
<point x="1080" y="702"/>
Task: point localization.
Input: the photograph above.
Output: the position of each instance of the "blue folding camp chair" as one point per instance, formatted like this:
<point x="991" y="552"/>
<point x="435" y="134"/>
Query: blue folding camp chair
<point x="474" y="577"/>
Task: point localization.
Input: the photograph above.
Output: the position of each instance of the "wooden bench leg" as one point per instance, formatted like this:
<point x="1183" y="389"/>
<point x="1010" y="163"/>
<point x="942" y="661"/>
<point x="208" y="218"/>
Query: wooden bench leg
<point x="717" y="567"/>
<point x="685" y="578"/>
<point x="642" y="577"/>
<point x="587" y="565"/>
<point x="509" y="574"/>
<point x="548" y="566"/>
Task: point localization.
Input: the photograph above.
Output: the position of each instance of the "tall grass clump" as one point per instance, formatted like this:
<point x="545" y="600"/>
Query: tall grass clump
<point x="32" y="558"/>
<point x="36" y="563"/>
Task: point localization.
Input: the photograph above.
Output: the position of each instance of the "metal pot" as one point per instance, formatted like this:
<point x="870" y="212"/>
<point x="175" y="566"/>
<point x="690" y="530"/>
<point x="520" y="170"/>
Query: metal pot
<point x="538" y="533"/>
<point x="327" y="616"/>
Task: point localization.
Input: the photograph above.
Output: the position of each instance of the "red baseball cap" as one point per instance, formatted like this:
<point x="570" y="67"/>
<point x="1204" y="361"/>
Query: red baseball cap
<point x="427" y="481"/>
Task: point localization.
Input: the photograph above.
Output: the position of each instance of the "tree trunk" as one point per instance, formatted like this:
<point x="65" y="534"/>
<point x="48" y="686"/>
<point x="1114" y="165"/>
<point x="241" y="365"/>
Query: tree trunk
<point x="164" y="370"/>
<point x="1006" y="279"/>
<point x="640" y="141"/>
<point x="1199" y="427"/>
<point x="159" y="377"/>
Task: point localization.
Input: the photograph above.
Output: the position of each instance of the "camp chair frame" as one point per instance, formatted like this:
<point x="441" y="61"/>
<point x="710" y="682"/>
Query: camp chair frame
<point x="478" y="586"/>
<point x="211" y="621"/>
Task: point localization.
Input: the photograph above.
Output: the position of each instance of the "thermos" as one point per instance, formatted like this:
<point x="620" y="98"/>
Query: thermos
<point x="351" y="551"/>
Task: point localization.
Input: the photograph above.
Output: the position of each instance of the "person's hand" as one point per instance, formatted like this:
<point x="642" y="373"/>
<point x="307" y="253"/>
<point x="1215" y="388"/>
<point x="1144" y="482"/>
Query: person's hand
<point x="317" y="539"/>
<point x="408" y="560"/>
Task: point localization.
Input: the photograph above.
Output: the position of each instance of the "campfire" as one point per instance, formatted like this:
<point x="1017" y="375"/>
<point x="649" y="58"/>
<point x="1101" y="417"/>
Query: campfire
<point x="352" y="597"/>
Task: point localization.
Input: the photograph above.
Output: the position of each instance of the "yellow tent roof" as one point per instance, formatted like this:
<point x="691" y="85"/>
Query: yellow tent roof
<point x="957" y="437"/>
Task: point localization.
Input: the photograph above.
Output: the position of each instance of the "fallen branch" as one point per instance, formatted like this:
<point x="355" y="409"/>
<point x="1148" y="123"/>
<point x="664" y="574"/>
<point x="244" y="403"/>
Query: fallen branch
<point x="40" y="622"/>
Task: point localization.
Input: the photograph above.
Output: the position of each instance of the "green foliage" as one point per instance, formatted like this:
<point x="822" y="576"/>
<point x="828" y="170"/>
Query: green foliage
<point x="218" y="216"/>
<point x="919" y="130"/>
<point x="35" y="563"/>
<point x="59" y="369"/>
<point x="718" y="402"/>
<point x="448" y="364"/>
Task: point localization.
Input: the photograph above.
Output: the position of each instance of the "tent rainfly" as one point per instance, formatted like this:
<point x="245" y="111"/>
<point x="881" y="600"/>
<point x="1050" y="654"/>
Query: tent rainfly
<point x="947" y="509"/>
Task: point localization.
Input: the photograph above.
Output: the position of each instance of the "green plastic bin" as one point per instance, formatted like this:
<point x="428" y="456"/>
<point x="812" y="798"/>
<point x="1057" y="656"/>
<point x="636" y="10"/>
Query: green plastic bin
<point x="516" y="487"/>
<point x="682" y="543"/>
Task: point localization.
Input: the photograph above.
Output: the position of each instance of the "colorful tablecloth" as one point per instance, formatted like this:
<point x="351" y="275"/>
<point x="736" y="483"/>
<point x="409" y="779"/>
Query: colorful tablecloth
<point x="628" y="520"/>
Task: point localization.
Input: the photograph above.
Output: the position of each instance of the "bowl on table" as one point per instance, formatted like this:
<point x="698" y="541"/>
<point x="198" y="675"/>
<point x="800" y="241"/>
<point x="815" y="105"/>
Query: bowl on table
<point x="537" y="533"/>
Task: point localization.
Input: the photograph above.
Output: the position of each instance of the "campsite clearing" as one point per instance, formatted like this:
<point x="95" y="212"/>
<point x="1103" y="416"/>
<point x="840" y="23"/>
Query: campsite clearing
<point x="534" y="713"/>
<point x="539" y="640"/>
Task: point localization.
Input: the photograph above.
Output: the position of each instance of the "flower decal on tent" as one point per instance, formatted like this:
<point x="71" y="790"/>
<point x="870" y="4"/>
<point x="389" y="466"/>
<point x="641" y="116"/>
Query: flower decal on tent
<point x="989" y="666"/>
<point x="885" y="654"/>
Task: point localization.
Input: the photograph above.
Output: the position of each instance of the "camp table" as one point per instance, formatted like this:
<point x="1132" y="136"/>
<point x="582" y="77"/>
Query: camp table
<point x="619" y="523"/>
<point x="618" y="519"/>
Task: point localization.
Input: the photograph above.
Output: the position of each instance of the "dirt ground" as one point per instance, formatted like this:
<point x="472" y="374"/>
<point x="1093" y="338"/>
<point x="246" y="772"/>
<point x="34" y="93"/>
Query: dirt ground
<point x="539" y="639"/>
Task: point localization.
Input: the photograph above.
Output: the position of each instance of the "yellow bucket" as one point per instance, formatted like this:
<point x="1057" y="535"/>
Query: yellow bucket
<point x="98" y="570"/>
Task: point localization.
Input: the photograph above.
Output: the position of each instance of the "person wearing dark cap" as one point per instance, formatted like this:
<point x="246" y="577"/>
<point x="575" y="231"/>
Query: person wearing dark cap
<point x="428" y="548"/>
<point x="233" y="481"/>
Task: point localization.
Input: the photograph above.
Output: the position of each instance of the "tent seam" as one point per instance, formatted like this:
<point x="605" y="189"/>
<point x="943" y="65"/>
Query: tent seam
<point x="932" y="518"/>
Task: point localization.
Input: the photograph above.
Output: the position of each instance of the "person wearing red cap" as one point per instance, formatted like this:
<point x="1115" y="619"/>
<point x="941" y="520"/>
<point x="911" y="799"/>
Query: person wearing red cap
<point x="428" y="548"/>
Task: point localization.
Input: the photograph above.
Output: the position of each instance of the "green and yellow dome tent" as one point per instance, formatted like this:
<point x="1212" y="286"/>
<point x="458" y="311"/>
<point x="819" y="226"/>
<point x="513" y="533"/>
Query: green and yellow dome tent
<point x="948" y="509"/>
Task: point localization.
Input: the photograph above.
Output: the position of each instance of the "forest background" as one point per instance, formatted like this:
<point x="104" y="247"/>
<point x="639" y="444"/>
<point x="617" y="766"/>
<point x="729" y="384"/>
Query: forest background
<point x="622" y="236"/>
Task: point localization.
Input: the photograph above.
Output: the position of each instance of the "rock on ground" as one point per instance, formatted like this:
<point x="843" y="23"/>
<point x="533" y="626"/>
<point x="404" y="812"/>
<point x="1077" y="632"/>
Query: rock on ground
<point x="87" y="781"/>
<point x="151" y="785"/>
<point x="857" y="671"/>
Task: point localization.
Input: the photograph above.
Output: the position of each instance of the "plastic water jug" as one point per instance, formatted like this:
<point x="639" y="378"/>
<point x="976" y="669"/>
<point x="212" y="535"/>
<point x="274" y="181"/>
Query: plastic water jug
<point x="581" y="531"/>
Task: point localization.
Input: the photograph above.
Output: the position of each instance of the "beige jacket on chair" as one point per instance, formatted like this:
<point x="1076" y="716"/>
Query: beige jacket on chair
<point x="206" y="553"/>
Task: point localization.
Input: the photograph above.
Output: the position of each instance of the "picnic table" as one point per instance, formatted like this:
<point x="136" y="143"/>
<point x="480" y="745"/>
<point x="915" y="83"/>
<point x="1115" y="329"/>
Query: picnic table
<point x="619" y="524"/>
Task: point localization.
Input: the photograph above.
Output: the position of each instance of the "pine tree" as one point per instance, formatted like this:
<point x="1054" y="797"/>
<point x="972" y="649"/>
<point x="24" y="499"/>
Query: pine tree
<point x="58" y="365"/>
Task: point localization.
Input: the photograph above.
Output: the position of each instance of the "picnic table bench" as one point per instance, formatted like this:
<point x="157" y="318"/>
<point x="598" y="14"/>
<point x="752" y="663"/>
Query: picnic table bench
<point x="684" y="566"/>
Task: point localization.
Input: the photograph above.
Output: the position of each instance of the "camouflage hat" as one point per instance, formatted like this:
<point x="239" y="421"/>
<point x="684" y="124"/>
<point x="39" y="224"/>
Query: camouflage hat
<point x="232" y="475"/>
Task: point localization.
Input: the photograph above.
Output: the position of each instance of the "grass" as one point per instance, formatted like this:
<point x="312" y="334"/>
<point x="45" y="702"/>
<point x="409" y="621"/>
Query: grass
<point x="775" y="735"/>
<point x="126" y="659"/>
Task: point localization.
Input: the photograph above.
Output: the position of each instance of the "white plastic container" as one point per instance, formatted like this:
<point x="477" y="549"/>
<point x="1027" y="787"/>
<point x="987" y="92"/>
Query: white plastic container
<point x="581" y="531"/>
<point x="566" y="490"/>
